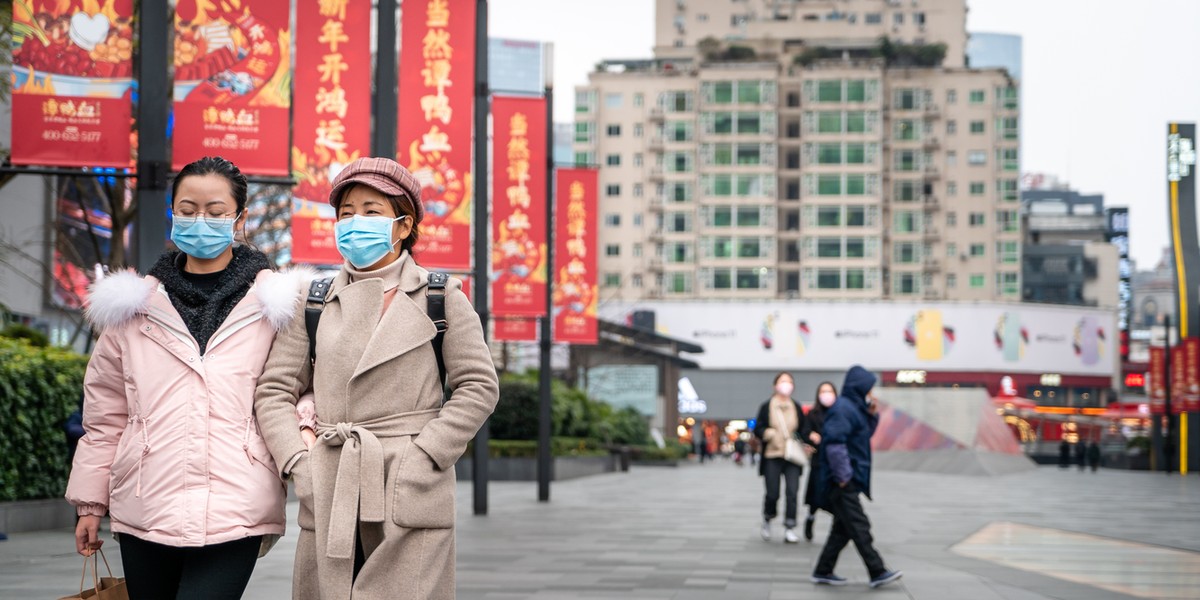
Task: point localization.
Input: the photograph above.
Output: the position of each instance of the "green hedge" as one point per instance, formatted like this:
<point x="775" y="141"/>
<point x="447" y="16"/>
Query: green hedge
<point x="559" y="446"/>
<point x="574" y="414"/>
<point x="39" y="388"/>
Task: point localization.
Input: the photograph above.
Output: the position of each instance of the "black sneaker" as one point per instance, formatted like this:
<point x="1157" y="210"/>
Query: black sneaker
<point x="808" y="525"/>
<point x="885" y="578"/>
<point x="828" y="579"/>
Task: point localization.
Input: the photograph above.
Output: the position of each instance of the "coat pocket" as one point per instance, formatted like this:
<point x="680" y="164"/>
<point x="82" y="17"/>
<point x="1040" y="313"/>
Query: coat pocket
<point x="422" y="494"/>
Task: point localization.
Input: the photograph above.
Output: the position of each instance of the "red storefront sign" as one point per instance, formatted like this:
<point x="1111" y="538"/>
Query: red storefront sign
<point x="575" y="276"/>
<point x="71" y="83"/>
<point x="515" y="329"/>
<point x="436" y="96"/>
<point x="519" y="207"/>
<point x="232" y="83"/>
<point x="332" y="115"/>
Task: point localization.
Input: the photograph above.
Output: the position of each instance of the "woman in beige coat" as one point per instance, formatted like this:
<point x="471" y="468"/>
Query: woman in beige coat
<point x="376" y="485"/>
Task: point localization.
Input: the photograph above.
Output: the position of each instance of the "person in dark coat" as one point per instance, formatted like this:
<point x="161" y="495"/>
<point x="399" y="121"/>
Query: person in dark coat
<point x="780" y="418"/>
<point x="1064" y="455"/>
<point x="845" y="473"/>
<point x="814" y="421"/>
<point x="1093" y="454"/>
<point x="73" y="430"/>
<point x="1081" y="454"/>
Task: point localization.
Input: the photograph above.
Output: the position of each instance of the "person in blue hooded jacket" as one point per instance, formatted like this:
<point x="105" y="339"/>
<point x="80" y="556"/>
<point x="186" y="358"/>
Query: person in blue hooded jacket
<point x="845" y="472"/>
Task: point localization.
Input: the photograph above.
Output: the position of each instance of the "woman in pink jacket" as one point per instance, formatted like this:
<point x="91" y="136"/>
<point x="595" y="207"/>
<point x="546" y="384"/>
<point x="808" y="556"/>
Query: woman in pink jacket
<point x="172" y="452"/>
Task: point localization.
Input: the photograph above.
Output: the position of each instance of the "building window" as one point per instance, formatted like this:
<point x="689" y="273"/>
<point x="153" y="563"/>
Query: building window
<point x="978" y="188"/>
<point x="680" y="253"/>
<point x="977" y="157"/>
<point x="1007" y="221"/>
<point x="1008" y="283"/>
<point x="638" y="160"/>
<point x="919" y="18"/>
<point x="977" y="219"/>
<point x="748" y="216"/>
<point x="977" y="127"/>
<point x="1007" y="157"/>
<point x="680" y="283"/>
<point x="722" y="92"/>
<point x="907" y="221"/>
<point x="612" y="190"/>
<point x="585" y="101"/>
<point x="856" y="216"/>
<point x="951" y="127"/>
<point x="1007" y="97"/>
<point x="907" y="99"/>
<point x="977" y="280"/>
<point x="906" y="130"/>
<point x="638" y="130"/>
<point x="1007" y="253"/>
<point x="829" y="216"/>
<point x="856" y="279"/>
<point x="906" y="160"/>
<point x="951" y="189"/>
<point x="638" y="190"/>
<point x="951" y="96"/>
<point x="898" y="18"/>
<point x="749" y="92"/>
<point x="1008" y="127"/>
<point x="951" y="219"/>
<point x="679" y="131"/>
<point x="906" y="252"/>
<point x="679" y="223"/>
<point x="639" y="99"/>
<point x="613" y="131"/>
<point x="977" y="97"/>
<point x="951" y="250"/>
<point x="829" y="279"/>
<point x="1007" y="190"/>
<point x="829" y="91"/>
<point x="977" y="250"/>
<point x="905" y="191"/>
<point x="873" y="18"/>
<point x="722" y="247"/>
<point x="636" y="280"/>
<point x="584" y="159"/>
<point x="856" y="248"/>
<point x="612" y="220"/>
<point x="637" y="219"/>
<point x="613" y="160"/>
<point x="907" y="283"/>
<point x="612" y="100"/>
<point x="951" y="281"/>
<point x="583" y="132"/>
<point x="749" y="248"/>
<point x="612" y="280"/>
<point x="612" y="250"/>
<point x="637" y="250"/>
<point x="829" y="247"/>
<point x="951" y="158"/>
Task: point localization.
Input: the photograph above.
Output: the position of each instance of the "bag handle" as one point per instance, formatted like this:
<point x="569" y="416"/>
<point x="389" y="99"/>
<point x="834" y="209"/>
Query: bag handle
<point x="95" y="570"/>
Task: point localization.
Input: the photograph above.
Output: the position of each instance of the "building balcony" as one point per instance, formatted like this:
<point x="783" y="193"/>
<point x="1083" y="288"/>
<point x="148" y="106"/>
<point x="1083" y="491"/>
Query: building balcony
<point x="655" y="144"/>
<point x="652" y="293"/>
<point x="932" y="264"/>
<point x="931" y="203"/>
<point x="931" y="233"/>
<point x="656" y="114"/>
<point x="931" y="143"/>
<point x="656" y="204"/>
<point x="932" y="293"/>
<point x="933" y="111"/>
<point x="932" y="172"/>
<point x="654" y="264"/>
<point x="656" y="173"/>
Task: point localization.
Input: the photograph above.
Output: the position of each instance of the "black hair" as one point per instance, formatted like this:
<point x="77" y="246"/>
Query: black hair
<point x="215" y="165"/>
<point x="781" y="374"/>
<point x="817" y="395"/>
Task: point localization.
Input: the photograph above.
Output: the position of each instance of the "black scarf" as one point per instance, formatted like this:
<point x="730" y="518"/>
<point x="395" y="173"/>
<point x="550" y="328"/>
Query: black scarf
<point x="204" y="313"/>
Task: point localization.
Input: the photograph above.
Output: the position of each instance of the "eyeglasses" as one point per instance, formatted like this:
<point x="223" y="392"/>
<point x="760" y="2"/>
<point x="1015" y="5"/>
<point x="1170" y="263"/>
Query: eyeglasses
<point x="215" y="221"/>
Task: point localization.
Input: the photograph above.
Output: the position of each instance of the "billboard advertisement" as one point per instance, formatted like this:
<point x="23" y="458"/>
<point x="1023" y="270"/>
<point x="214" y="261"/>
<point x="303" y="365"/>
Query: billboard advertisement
<point x="332" y="115"/>
<point x="575" y="293"/>
<point x="1008" y="338"/>
<point x="72" y="79"/>
<point x="233" y="83"/>
<point x="436" y="96"/>
<point x="1181" y="184"/>
<point x="519" y="207"/>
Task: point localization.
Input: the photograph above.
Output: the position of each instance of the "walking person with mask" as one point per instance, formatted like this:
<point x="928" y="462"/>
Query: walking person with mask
<point x="780" y="419"/>
<point x="845" y="465"/>
<point x="170" y="449"/>
<point x="376" y="481"/>
<point x="814" y="422"/>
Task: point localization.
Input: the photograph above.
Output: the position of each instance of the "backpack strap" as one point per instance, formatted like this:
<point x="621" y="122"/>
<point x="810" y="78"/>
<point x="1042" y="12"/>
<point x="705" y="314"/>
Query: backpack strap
<point x="435" y="306"/>
<point x="317" y="291"/>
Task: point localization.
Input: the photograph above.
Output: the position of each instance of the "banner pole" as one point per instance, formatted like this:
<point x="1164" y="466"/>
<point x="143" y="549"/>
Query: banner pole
<point x="483" y="254"/>
<point x="153" y="166"/>
<point x="545" y="460"/>
<point x="386" y="73"/>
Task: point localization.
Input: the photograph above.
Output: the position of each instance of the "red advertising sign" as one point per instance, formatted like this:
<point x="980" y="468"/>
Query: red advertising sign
<point x="331" y="118"/>
<point x="1158" y="373"/>
<point x="519" y="207"/>
<point x="575" y="276"/>
<point x="1190" y="368"/>
<point x="436" y="96"/>
<point x="1177" y="374"/>
<point x="516" y="330"/>
<point x="71" y="83"/>
<point x="233" y="83"/>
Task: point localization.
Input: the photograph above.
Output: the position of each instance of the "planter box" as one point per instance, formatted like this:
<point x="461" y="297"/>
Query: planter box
<point x="525" y="469"/>
<point x="655" y="463"/>
<point x="36" y="515"/>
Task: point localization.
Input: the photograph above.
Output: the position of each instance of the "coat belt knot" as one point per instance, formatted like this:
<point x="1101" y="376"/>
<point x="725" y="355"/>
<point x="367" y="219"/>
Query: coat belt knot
<point x="358" y="491"/>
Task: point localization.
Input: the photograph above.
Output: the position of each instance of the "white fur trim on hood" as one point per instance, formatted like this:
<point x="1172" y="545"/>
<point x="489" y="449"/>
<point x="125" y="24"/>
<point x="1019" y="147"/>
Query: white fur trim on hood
<point x="281" y="293"/>
<point x="115" y="299"/>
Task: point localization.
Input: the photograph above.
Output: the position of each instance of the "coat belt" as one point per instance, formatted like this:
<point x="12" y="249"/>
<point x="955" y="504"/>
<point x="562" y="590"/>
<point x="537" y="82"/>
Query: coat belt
<point x="358" y="493"/>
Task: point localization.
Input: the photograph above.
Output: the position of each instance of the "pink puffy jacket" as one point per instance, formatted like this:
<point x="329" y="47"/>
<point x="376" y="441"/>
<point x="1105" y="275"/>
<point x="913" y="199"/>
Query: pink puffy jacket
<point x="172" y="450"/>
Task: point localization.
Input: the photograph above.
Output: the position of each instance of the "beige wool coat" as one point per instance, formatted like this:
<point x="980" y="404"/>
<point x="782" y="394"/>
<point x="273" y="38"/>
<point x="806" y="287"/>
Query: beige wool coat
<point x="384" y="460"/>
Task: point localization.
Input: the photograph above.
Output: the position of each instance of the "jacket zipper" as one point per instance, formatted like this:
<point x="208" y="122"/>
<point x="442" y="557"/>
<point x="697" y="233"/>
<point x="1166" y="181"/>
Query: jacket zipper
<point x="138" y="418"/>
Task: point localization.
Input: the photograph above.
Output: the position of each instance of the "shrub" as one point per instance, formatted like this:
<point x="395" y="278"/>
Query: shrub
<point x="27" y="333"/>
<point x="39" y="388"/>
<point x="574" y="414"/>
<point x="516" y="415"/>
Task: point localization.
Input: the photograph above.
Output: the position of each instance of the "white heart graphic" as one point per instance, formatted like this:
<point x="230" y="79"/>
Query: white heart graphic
<point x="87" y="31"/>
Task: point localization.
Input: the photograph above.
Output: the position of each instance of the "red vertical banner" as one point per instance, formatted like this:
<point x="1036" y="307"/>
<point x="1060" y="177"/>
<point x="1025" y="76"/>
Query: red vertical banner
<point x="515" y="329"/>
<point x="72" y="75"/>
<point x="436" y="96"/>
<point x="1158" y="372"/>
<point x="519" y="207"/>
<point x="1191" y="373"/>
<point x="233" y="83"/>
<point x="331" y="118"/>
<point x="1178" y="389"/>
<point x="575" y="276"/>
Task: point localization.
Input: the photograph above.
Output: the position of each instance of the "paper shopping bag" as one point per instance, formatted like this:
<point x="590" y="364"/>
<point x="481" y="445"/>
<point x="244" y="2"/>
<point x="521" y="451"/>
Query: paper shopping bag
<point x="104" y="588"/>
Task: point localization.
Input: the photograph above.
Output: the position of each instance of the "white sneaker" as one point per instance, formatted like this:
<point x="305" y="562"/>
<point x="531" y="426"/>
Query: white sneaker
<point x="789" y="536"/>
<point x="766" y="531"/>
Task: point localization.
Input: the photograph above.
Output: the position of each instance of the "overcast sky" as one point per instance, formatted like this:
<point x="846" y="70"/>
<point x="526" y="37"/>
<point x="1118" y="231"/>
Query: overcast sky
<point x="1101" y="80"/>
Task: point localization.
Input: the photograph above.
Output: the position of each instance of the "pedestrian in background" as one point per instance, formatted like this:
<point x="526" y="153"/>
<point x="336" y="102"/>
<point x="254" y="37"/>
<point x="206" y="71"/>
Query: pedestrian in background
<point x="170" y="450"/>
<point x="1093" y="454"/>
<point x="779" y="419"/>
<point x="845" y="473"/>
<point x="1064" y="455"/>
<point x="1081" y="454"/>
<point x="814" y="422"/>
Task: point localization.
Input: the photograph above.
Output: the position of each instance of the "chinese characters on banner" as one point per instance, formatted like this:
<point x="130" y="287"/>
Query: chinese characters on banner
<point x="519" y="207"/>
<point x="332" y="116"/>
<point x="232" y="83"/>
<point x="575" y="277"/>
<point x="72" y="75"/>
<point x="1158" y="373"/>
<point x="515" y="329"/>
<point x="436" y="95"/>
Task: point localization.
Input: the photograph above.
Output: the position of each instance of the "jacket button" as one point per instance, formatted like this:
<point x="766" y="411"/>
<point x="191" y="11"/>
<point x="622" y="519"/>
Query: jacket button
<point x="148" y="328"/>
<point x="191" y="359"/>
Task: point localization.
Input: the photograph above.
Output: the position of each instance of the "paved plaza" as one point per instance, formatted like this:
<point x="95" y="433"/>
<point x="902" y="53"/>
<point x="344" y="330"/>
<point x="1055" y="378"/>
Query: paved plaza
<point x="691" y="533"/>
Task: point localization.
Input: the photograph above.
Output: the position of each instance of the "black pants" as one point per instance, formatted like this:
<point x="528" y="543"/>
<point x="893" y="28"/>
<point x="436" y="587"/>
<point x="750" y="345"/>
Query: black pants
<point x="158" y="572"/>
<point x="773" y="468"/>
<point x="849" y="524"/>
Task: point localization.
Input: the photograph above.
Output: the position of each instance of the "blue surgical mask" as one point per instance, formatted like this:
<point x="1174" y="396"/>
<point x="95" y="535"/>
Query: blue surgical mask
<point x="364" y="240"/>
<point x="195" y="236"/>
